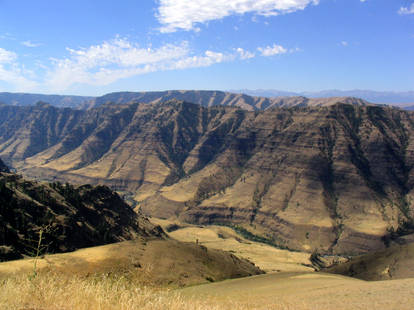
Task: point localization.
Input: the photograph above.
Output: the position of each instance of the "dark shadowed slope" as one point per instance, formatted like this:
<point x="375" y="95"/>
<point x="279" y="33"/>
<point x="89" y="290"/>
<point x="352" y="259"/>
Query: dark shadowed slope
<point x="3" y="167"/>
<point x="67" y="217"/>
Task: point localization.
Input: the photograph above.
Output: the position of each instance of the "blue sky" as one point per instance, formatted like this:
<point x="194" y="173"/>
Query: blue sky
<point x="95" y="47"/>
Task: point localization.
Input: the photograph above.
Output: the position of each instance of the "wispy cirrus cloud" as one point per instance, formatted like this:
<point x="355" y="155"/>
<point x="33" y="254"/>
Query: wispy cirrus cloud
<point x="13" y="73"/>
<point x="7" y="56"/>
<point x="113" y="60"/>
<point x="7" y="36"/>
<point x="117" y="59"/>
<point x="176" y="15"/>
<point x="406" y="10"/>
<point x="29" y="43"/>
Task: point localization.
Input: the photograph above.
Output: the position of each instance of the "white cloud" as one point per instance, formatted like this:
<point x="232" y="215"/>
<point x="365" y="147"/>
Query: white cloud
<point x="113" y="60"/>
<point x="184" y="14"/>
<point x="29" y="43"/>
<point x="243" y="54"/>
<point x="13" y="73"/>
<point x="272" y="50"/>
<point x="406" y="10"/>
<point x="7" y="56"/>
<point x="344" y="43"/>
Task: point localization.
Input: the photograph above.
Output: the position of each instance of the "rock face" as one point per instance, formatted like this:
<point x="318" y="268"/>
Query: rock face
<point x="334" y="179"/>
<point x="67" y="217"/>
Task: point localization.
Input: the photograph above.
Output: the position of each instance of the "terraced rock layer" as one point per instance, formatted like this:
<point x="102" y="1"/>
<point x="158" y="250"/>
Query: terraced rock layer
<point x="335" y="179"/>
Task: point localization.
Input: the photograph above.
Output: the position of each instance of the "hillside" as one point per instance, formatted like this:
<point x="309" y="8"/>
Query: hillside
<point x="306" y="291"/>
<point x="334" y="179"/>
<point x="396" y="262"/>
<point x="149" y="261"/>
<point x="38" y="218"/>
<point x="266" y="257"/>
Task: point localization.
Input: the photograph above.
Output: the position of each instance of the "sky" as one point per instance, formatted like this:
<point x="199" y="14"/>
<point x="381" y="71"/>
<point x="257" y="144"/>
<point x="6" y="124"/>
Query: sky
<point x="93" y="47"/>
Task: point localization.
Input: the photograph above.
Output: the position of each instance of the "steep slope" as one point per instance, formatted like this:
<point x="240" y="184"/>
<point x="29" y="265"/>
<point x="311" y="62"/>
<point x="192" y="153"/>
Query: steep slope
<point x="396" y="262"/>
<point x="38" y="218"/>
<point x="335" y="178"/>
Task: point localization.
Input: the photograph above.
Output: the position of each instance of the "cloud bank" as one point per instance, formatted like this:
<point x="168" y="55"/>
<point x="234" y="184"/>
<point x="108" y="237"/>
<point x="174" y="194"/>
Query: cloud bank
<point x="176" y="15"/>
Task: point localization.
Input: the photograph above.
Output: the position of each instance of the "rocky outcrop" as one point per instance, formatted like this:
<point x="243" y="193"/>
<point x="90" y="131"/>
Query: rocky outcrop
<point x="334" y="178"/>
<point x="38" y="218"/>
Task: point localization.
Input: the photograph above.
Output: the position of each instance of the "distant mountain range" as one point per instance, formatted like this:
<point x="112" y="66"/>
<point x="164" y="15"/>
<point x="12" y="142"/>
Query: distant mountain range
<point x="24" y="99"/>
<point x="204" y="98"/>
<point x="246" y="99"/>
<point x="380" y="97"/>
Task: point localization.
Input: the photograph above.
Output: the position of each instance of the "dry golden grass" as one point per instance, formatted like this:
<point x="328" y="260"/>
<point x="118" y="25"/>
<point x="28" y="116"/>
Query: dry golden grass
<point x="156" y="262"/>
<point x="49" y="291"/>
<point x="266" y="257"/>
<point x="54" y="292"/>
<point x="309" y="291"/>
<point x="84" y="286"/>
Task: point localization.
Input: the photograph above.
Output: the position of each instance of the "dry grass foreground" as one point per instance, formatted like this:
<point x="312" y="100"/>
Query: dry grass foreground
<point x="287" y="291"/>
<point x="88" y="279"/>
<point x="308" y="291"/>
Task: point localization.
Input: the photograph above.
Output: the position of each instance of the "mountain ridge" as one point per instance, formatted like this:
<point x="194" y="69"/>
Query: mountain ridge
<point x="334" y="179"/>
<point x="205" y="98"/>
<point x="379" y="97"/>
<point x="245" y="98"/>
